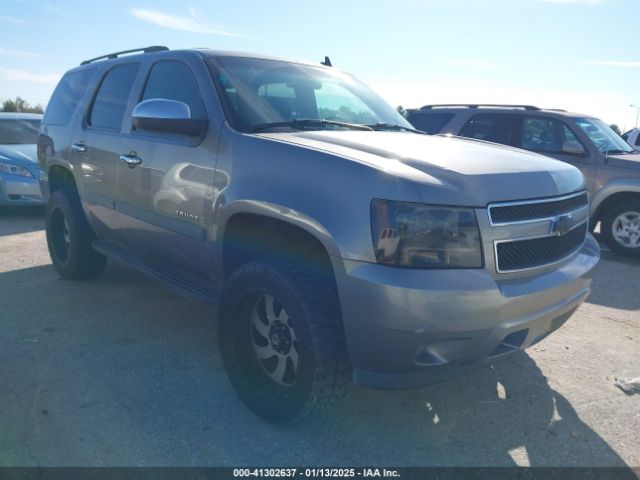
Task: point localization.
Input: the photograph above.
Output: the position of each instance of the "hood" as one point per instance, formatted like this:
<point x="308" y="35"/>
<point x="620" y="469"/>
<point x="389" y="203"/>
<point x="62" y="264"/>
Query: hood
<point x="23" y="155"/>
<point x="628" y="160"/>
<point x="463" y="171"/>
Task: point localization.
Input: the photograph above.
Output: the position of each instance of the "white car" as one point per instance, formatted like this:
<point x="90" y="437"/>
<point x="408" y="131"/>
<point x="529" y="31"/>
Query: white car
<point x="632" y="137"/>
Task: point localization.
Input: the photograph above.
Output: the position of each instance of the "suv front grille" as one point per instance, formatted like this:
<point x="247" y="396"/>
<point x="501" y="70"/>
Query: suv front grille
<point x="530" y="253"/>
<point x="536" y="210"/>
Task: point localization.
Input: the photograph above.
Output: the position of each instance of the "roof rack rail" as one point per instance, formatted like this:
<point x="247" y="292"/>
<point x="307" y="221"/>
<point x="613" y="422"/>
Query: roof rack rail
<point x="153" y="48"/>
<point x="477" y="105"/>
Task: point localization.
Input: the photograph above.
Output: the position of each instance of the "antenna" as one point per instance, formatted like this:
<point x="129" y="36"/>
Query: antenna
<point x="327" y="62"/>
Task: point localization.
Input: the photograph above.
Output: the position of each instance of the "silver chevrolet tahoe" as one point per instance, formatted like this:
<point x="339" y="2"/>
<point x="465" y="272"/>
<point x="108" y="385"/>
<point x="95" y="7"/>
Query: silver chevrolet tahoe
<point x="340" y="243"/>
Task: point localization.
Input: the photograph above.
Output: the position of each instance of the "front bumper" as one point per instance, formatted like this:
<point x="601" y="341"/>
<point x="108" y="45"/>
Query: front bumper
<point x="407" y="328"/>
<point x="19" y="190"/>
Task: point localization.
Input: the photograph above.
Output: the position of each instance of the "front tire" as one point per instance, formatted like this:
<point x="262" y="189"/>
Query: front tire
<point x="620" y="228"/>
<point x="282" y="341"/>
<point x="69" y="238"/>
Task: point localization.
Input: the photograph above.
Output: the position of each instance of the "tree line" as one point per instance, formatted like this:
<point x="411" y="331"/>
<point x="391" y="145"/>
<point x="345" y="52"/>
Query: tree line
<point x="20" y="105"/>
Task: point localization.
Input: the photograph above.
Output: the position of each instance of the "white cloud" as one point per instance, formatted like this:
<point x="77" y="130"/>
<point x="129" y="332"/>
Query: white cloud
<point x="575" y="2"/>
<point x="8" y="19"/>
<point x="472" y="63"/>
<point x="53" y="8"/>
<point x="10" y="52"/>
<point x="613" y="63"/>
<point x="189" y="23"/>
<point x="19" y="75"/>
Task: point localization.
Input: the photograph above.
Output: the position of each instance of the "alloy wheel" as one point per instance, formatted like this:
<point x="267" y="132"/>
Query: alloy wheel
<point x="274" y="340"/>
<point x="626" y="229"/>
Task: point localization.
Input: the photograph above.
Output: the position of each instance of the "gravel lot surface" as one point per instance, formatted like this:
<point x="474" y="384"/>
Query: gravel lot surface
<point x="119" y="371"/>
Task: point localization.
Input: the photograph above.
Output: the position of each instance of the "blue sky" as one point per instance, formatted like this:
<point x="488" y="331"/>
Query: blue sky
<point x="580" y="55"/>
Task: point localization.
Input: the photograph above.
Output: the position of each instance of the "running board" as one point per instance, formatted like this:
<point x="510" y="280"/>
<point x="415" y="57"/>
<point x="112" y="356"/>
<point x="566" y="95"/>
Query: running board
<point x="175" y="281"/>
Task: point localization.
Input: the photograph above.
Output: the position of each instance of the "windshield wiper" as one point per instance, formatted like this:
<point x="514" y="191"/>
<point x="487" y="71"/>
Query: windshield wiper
<point x="302" y="123"/>
<point x="619" y="152"/>
<point x="394" y="128"/>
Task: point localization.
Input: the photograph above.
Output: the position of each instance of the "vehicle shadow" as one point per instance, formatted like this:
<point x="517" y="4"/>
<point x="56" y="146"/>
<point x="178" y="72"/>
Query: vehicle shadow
<point x="116" y="371"/>
<point x="16" y="220"/>
<point x="504" y="416"/>
<point x="612" y="282"/>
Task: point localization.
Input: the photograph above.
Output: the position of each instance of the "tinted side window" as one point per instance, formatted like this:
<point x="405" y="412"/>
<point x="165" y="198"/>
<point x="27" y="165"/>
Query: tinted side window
<point x="430" y="122"/>
<point x="173" y="80"/>
<point x="111" y="100"/>
<point x="567" y="134"/>
<point x="491" y="127"/>
<point x="541" y="134"/>
<point x="66" y="97"/>
<point x="638" y="139"/>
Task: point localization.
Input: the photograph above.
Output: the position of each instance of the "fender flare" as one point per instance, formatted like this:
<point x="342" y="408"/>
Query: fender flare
<point x="621" y="185"/>
<point x="277" y="212"/>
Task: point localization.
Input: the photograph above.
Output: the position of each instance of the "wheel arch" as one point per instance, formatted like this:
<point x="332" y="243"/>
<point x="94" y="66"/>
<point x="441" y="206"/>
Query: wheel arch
<point x="611" y="194"/>
<point x="252" y="229"/>
<point x="60" y="177"/>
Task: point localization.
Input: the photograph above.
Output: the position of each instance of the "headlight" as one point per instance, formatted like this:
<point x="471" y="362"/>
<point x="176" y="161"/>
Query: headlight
<point x="425" y="236"/>
<point x="14" y="169"/>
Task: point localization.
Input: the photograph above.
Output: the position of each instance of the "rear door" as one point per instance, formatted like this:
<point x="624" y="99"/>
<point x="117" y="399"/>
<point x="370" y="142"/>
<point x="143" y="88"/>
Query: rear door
<point x="166" y="202"/>
<point x="96" y="146"/>
<point x="492" y="127"/>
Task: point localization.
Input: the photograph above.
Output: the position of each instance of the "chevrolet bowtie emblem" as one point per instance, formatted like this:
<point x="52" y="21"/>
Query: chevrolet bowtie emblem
<point x="562" y="224"/>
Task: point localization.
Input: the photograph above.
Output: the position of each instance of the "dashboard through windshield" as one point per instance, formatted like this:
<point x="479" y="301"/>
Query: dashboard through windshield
<point x="259" y="92"/>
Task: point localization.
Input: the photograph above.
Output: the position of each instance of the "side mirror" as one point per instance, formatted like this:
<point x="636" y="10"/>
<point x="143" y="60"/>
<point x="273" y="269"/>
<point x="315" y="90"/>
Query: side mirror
<point x="166" y="116"/>
<point x="572" y="147"/>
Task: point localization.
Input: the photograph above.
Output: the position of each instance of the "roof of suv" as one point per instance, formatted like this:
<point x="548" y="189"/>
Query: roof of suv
<point x="494" y="108"/>
<point x="205" y="52"/>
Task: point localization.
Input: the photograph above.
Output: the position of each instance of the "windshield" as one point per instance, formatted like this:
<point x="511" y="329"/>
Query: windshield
<point x="605" y="139"/>
<point x="259" y="92"/>
<point x="18" y="131"/>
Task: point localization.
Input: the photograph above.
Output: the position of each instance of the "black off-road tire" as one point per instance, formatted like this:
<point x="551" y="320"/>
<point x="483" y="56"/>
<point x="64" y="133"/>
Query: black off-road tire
<point x="310" y="300"/>
<point x="70" y="238"/>
<point x="606" y="227"/>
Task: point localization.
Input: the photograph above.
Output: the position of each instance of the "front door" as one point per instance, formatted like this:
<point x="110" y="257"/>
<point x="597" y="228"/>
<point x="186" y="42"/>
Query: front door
<point x="547" y="135"/>
<point x="165" y="181"/>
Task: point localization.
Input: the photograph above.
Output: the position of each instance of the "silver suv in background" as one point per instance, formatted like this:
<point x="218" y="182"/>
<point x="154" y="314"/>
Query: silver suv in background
<point x="610" y="166"/>
<point x="339" y="242"/>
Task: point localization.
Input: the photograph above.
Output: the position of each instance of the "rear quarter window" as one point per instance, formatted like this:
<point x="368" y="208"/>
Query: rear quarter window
<point x="432" y="122"/>
<point x="491" y="127"/>
<point x="67" y="96"/>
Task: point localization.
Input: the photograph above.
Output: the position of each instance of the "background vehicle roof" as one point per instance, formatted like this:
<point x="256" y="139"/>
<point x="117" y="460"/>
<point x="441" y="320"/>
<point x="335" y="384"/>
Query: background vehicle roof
<point x="482" y="108"/>
<point x="20" y="116"/>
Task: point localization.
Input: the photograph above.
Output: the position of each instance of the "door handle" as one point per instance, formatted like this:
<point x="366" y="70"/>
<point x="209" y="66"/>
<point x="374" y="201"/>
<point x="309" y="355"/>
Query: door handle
<point x="131" y="160"/>
<point x="79" y="147"/>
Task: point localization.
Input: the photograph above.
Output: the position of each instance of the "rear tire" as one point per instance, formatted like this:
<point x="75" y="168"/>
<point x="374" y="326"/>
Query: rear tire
<point x="620" y="228"/>
<point x="282" y="341"/>
<point x="69" y="238"/>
